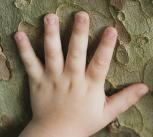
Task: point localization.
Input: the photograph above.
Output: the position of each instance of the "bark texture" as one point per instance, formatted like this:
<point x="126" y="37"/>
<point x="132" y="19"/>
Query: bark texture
<point x="132" y="60"/>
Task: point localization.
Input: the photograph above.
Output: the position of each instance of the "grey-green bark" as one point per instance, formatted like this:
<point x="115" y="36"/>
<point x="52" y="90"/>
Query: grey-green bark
<point x="132" y="61"/>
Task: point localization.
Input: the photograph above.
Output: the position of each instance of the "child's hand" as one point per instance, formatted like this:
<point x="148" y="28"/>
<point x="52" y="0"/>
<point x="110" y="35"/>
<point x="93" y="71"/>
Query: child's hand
<point x="67" y="99"/>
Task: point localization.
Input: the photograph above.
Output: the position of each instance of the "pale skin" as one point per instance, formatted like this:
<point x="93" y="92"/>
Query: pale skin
<point x="68" y="98"/>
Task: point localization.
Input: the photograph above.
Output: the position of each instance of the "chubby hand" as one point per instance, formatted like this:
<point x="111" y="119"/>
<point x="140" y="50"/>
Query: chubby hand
<point x="68" y="99"/>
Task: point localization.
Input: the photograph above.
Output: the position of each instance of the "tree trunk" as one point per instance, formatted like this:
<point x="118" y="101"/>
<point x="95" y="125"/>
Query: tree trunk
<point x="132" y="60"/>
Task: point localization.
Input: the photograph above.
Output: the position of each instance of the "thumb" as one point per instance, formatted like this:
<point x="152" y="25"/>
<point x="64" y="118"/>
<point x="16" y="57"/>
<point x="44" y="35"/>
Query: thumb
<point x="120" y="102"/>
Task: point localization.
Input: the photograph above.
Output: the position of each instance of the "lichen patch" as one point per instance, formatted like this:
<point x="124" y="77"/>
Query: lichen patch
<point x="121" y="16"/>
<point x="142" y="40"/>
<point x="118" y="4"/>
<point x="123" y="34"/>
<point x="21" y="4"/>
<point x="122" y="55"/>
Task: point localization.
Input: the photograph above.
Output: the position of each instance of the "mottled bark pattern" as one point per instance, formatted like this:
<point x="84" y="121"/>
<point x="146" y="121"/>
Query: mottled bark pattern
<point x="132" y="60"/>
<point x="118" y="4"/>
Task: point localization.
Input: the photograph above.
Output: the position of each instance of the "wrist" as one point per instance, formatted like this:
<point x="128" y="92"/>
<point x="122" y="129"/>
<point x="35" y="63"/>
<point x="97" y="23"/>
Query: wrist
<point x="51" y="129"/>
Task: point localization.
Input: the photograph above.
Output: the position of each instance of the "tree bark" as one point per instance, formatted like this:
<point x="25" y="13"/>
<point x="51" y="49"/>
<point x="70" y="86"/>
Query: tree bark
<point x="132" y="60"/>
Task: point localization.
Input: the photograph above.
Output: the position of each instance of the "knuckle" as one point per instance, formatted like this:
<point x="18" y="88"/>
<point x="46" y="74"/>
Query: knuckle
<point x="28" y="63"/>
<point x="49" y="33"/>
<point x="78" y="30"/>
<point x="52" y="54"/>
<point x="123" y="108"/>
<point x="76" y="53"/>
<point x="137" y="96"/>
<point x="27" y="59"/>
<point x="100" y="63"/>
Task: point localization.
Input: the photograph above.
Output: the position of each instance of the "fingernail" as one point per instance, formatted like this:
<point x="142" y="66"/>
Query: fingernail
<point x="81" y="18"/>
<point x="18" y="37"/>
<point x="144" y="89"/>
<point x="51" y="19"/>
<point x="111" y="32"/>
